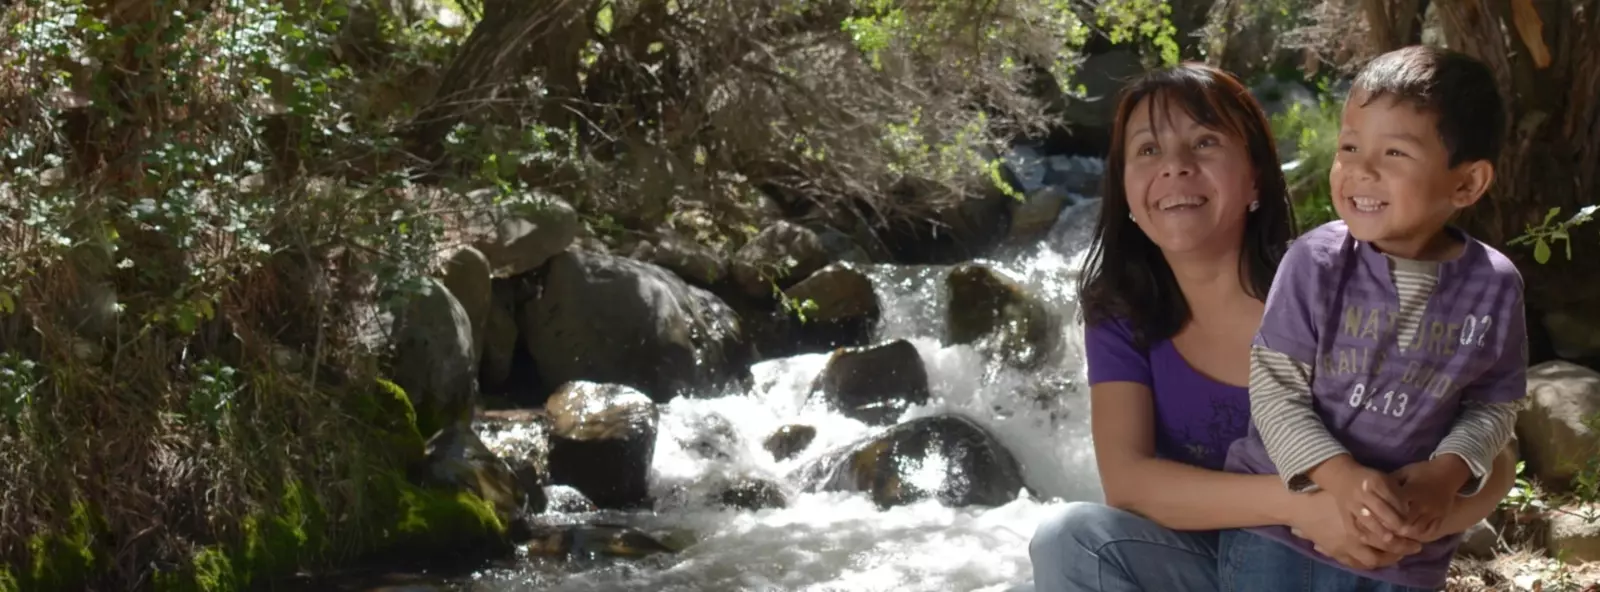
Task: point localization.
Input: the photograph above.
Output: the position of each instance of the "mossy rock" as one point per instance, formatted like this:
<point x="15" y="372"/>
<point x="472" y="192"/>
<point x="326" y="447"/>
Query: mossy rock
<point x="387" y="407"/>
<point x="405" y="523"/>
<point x="430" y="523"/>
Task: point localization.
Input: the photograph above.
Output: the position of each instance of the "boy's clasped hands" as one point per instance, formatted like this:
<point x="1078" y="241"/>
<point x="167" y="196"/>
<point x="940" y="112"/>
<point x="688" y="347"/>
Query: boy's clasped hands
<point x="1410" y="502"/>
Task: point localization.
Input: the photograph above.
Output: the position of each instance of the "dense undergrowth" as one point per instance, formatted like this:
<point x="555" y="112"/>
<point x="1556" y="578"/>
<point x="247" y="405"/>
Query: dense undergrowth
<point x="208" y="208"/>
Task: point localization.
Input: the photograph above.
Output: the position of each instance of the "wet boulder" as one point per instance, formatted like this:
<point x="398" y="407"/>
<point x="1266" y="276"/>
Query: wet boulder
<point x="835" y="307"/>
<point x="458" y="459"/>
<point x="566" y="500"/>
<point x="789" y="441"/>
<point x="874" y="384"/>
<point x="753" y="494"/>
<point x="520" y="438"/>
<point x="714" y="439"/>
<point x="947" y="458"/>
<point x="602" y="442"/>
<point x="609" y="319"/>
<point x="593" y="541"/>
<point x="838" y="292"/>
<point x="997" y="314"/>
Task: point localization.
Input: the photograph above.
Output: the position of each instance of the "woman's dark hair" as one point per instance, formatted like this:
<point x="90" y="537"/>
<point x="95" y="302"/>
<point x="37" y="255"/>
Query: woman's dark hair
<point x="1126" y="275"/>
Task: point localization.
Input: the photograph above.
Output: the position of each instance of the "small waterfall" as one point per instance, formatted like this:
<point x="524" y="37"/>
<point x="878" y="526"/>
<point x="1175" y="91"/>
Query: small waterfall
<point x="842" y="541"/>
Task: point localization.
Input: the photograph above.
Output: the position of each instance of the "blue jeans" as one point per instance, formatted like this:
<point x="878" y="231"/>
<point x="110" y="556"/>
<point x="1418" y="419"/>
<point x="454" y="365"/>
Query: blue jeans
<point x="1254" y="563"/>
<point x="1096" y="548"/>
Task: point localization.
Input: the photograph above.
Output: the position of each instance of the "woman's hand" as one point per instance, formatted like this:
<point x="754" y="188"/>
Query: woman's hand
<point x="1319" y="520"/>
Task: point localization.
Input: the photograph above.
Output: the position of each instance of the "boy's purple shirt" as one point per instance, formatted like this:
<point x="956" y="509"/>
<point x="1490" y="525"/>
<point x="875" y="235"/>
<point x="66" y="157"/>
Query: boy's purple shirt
<point x="1332" y="305"/>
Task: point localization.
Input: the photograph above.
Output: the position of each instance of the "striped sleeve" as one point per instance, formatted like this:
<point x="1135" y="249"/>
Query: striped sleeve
<point x="1280" y="405"/>
<point x="1482" y="430"/>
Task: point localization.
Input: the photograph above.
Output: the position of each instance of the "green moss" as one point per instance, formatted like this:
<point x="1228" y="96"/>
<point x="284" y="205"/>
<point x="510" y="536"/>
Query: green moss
<point x="279" y="541"/>
<point x="428" y="523"/>
<point x="8" y="582"/>
<point x="214" y="572"/>
<point x="63" y="560"/>
<point x="274" y="542"/>
<point x="388" y="408"/>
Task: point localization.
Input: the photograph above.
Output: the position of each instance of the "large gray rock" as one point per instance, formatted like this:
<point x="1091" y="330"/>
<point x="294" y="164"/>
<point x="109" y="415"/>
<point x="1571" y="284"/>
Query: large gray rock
<point x="1479" y="541"/>
<point x="522" y="238"/>
<point x="433" y="358"/>
<point x="1574" y="534"/>
<point x="602" y="442"/>
<point x="608" y="319"/>
<point x="947" y="458"/>
<point x="1555" y="427"/>
<point x="466" y="274"/>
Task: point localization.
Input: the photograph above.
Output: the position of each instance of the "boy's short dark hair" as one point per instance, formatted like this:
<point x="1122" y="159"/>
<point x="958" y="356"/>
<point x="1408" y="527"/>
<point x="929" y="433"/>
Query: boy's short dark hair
<point x="1457" y="88"/>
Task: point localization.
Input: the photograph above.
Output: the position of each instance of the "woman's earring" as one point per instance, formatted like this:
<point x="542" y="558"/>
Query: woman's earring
<point x="1255" y="205"/>
<point x="1130" y="217"/>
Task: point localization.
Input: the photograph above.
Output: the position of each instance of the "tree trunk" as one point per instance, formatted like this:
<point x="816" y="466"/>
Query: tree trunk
<point x="1546" y="58"/>
<point x="1393" y="24"/>
<point x="513" y="39"/>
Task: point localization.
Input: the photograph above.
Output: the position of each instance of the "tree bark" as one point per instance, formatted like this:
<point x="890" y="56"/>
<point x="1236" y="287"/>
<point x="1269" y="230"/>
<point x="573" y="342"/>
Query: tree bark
<point x="1546" y="59"/>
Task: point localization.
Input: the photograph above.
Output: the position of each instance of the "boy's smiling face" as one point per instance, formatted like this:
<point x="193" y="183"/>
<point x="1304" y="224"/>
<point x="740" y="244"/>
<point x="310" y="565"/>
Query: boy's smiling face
<point x="1392" y="182"/>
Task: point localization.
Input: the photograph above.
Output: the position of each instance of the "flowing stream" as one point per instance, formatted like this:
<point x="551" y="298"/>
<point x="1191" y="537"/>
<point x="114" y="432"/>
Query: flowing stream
<point x="831" y="541"/>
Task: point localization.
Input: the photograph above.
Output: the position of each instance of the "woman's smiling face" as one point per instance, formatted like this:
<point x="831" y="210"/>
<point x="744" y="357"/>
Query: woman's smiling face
<point x="1189" y="187"/>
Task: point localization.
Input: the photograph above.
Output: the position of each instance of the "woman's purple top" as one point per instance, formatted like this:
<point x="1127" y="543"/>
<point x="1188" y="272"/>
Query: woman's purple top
<point x="1196" y="417"/>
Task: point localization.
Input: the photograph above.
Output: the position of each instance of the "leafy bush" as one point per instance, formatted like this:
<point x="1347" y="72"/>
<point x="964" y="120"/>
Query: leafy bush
<point x="1312" y="135"/>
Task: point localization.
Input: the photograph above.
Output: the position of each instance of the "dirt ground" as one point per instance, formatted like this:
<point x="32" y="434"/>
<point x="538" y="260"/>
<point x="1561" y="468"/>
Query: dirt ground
<point x="1522" y="572"/>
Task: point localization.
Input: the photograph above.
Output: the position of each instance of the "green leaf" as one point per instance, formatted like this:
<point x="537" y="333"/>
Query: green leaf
<point x="1541" y="251"/>
<point x="1551" y="215"/>
<point x="186" y="320"/>
<point x="7" y="304"/>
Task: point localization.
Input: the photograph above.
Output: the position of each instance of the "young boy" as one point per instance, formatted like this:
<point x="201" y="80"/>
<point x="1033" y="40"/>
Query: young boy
<point x="1392" y="357"/>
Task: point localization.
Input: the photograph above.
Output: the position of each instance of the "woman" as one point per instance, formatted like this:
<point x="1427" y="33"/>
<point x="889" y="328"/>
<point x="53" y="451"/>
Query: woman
<point x="1189" y="236"/>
